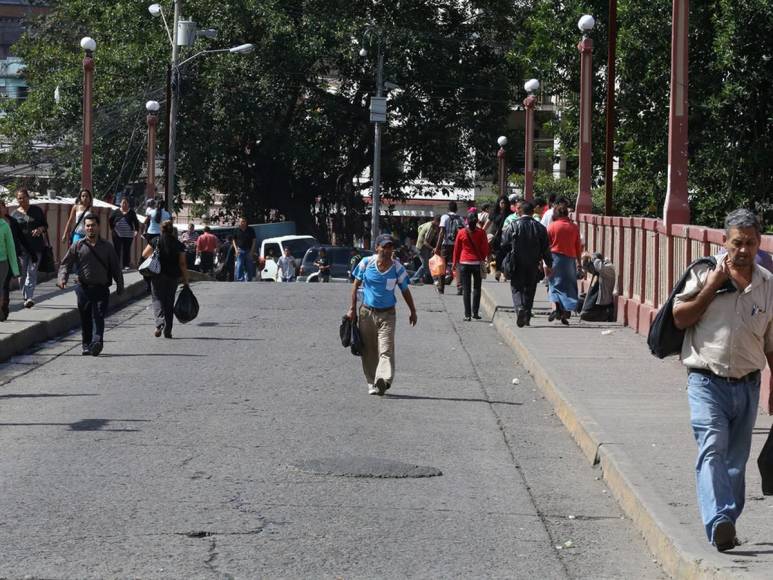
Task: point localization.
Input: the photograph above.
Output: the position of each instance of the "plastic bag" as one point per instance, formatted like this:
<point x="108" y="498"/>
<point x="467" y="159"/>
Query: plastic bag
<point x="437" y="266"/>
<point x="186" y="308"/>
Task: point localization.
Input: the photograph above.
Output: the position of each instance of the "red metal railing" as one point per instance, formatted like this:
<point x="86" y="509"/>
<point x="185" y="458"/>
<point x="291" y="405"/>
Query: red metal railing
<point x="649" y="259"/>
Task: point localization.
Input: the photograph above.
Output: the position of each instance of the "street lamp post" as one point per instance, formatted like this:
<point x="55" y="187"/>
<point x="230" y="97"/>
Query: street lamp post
<point x="89" y="46"/>
<point x="150" y="187"/>
<point x="531" y="87"/>
<point x="584" y="199"/>
<point x="502" y="166"/>
<point x="677" y="206"/>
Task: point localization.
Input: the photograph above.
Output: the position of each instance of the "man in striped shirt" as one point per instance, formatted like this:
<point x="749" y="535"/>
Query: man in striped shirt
<point x="378" y="276"/>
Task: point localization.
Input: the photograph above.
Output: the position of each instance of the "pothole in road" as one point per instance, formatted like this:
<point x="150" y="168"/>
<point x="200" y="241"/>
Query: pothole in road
<point x="376" y="467"/>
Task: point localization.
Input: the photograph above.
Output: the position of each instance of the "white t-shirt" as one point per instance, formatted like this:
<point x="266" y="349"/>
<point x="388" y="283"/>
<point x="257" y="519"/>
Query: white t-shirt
<point x="547" y="217"/>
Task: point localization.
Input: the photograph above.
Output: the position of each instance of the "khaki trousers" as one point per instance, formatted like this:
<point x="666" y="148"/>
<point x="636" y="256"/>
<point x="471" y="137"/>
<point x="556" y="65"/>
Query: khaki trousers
<point x="377" y="331"/>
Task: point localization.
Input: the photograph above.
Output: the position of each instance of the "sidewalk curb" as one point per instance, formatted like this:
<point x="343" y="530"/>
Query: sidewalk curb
<point x="681" y="555"/>
<point x="54" y="320"/>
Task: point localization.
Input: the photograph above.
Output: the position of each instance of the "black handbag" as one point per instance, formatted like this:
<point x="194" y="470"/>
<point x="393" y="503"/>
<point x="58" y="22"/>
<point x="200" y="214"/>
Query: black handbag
<point x="47" y="264"/>
<point x="186" y="308"/>
<point x="349" y="333"/>
<point x="765" y="465"/>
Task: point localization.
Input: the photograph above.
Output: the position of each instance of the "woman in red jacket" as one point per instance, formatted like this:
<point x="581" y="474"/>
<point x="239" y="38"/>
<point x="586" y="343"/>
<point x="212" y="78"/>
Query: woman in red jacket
<point x="470" y="251"/>
<point x="566" y="248"/>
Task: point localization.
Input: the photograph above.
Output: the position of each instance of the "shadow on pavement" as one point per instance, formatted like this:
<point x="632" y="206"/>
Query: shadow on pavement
<point x="43" y="395"/>
<point x="455" y="399"/>
<point x="84" y="425"/>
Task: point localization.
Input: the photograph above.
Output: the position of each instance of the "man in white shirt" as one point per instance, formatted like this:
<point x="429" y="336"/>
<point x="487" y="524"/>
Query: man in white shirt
<point x="547" y="217"/>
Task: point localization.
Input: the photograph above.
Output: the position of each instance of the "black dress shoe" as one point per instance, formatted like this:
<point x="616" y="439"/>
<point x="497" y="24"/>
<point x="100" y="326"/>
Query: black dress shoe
<point x="476" y="316"/>
<point x="521" y="320"/>
<point x="724" y="536"/>
<point x="552" y="316"/>
<point x="86" y="351"/>
<point x="96" y="348"/>
<point x="467" y="318"/>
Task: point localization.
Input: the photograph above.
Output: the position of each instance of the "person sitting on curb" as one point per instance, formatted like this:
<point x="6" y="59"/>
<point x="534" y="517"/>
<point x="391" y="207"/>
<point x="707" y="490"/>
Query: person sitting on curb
<point x="727" y="313"/>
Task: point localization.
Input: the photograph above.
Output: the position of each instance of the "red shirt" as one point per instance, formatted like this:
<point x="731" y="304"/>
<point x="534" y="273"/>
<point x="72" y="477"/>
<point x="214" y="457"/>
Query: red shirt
<point x="206" y="243"/>
<point x="471" y="246"/>
<point x="564" y="238"/>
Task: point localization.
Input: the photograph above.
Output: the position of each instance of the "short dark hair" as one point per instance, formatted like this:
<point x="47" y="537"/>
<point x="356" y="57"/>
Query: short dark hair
<point x="91" y="216"/>
<point x="206" y="229"/>
<point x="486" y="206"/>
<point x="552" y="198"/>
<point x="527" y="208"/>
<point x="562" y="201"/>
<point x="539" y="202"/>
<point x="742" y="219"/>
<point x="452" y="206"/>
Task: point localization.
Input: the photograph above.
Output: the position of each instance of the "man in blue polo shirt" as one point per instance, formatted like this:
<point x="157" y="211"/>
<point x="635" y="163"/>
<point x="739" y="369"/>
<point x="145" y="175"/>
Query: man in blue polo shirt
<point x="379" y="275"/>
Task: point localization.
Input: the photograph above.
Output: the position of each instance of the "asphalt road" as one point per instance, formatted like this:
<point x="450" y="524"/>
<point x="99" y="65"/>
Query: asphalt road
<point x="247" y="447"/>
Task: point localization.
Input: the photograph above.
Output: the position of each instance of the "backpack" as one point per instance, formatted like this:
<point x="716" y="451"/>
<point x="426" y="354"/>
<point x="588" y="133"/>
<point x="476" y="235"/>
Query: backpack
<point x="664" y="338"/>
<point x="453" y="225"/>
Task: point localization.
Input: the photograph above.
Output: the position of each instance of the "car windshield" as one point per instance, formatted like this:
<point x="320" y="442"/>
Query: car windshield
<point x="298" y="247"/>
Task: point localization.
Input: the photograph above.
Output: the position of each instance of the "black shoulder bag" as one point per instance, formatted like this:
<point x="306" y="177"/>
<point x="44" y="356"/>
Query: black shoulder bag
<point x="664" y="338"/>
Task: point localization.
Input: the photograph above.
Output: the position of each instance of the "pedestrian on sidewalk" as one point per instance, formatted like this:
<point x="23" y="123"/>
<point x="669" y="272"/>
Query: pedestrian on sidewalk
<point x="19" y="248"/>
<point x="566" y="250"/>
<point x="598" y="304"/>
<point x="471" y="251"/>
<point x="526" y="242"/>
<point x="163" y="286"/>
<point x="450" y="224"/>
<point x="98" y="266"/>
<point x="34" y="229"/>
<point x="125" y="226"/>
<point x="379" y="275"/>
<point x="727" y="313"/>
<point x="206" y="247"/>
<point x="494" y="231"/>
<point x="245" y="244"/>
<point x="9" y="263"/>
<point x="155" y="217"/>
<point x="547" y="216"/>
<point x="75" y="228"/>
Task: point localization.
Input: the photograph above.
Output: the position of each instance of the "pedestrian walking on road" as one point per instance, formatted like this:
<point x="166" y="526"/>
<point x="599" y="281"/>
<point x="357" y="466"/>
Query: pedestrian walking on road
<point x="124" y="225"/>
<point x="471" y="252"/>
<point x="426" y="241"/>
<point x="323" y="265"/>
<point x="98" y="266"/>
<point x="34" y="228"/>
<point x="727" y="313"/>
<point x="75" y="228"/>
<point x="566" y="250"/>
<point x="287" y="266"/>
<point x="450" y="224"/>
<point x="379" y="275"/>
<point x="9" y="263"/>
<point x="529" y="259"/>
<point x="245" y="244"/>
<point x="163" y="286"/>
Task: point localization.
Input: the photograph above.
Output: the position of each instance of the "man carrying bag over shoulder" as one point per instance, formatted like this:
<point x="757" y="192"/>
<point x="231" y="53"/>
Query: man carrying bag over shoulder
<point x="98" y="266"/>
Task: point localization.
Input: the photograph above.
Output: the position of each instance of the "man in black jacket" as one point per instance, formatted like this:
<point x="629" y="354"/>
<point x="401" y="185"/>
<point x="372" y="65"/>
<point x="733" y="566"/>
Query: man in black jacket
<point x="98" y="266"/>
<point x="525" y="241"/>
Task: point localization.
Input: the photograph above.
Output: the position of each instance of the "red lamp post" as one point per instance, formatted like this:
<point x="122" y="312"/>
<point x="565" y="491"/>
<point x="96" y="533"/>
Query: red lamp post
<point x="584" y="200"/>
<point x="89" y="45"/>
<point x="531" y="87"/>
<point x="502" y="166"/>
<point x="677" y="206"/>
<point x="150" y="186"/>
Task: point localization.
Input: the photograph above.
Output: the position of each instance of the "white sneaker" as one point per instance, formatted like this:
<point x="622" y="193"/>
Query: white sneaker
<point x="372" y="390"/>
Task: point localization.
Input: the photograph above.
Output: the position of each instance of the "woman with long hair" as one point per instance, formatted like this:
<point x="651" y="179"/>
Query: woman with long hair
<point x="566" y="249"/>
<point x="34" y="227"/>
<point x="171" y="254"/>
<point x="75" y="228"/>
<point x="496" y="225"/>
<point x="471" y="250"/>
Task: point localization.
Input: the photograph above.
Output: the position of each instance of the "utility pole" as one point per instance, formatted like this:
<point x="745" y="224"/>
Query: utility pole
<point x="377" y="116"/>
<point x="173" y="98"/>
<point x="89" y="46"/>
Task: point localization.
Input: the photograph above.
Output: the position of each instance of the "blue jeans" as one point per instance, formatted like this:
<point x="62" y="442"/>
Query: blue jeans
<point x="29" y="273"/>
<point x="245" y="267"/>
<point x="722" y="414"/>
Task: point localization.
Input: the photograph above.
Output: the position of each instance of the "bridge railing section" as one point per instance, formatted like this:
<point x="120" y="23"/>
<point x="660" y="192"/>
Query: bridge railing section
<point x="649" y="259"/>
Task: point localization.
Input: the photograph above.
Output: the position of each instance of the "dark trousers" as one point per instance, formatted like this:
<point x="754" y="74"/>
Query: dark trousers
<point x="448" y="253"/>
<point x="470" y="276"/>
<point x="207" y="262"/>
<point x="162" y="291"/>
<point x="123" y="247"/>
<point x="93" y="302"/>
<point x="523" y="296"/>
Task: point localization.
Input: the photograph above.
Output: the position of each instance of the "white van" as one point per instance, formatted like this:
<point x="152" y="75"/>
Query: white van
<point x="272" y="248"/>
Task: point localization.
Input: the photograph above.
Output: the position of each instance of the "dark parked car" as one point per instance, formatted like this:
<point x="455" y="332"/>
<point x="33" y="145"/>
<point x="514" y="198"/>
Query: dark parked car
<point x="339" y="257"/>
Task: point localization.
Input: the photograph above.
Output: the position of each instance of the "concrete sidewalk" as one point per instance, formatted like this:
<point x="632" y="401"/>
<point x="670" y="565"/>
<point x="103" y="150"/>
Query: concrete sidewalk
<point x="54" y="314"/>
<point x="628" y="411"/>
